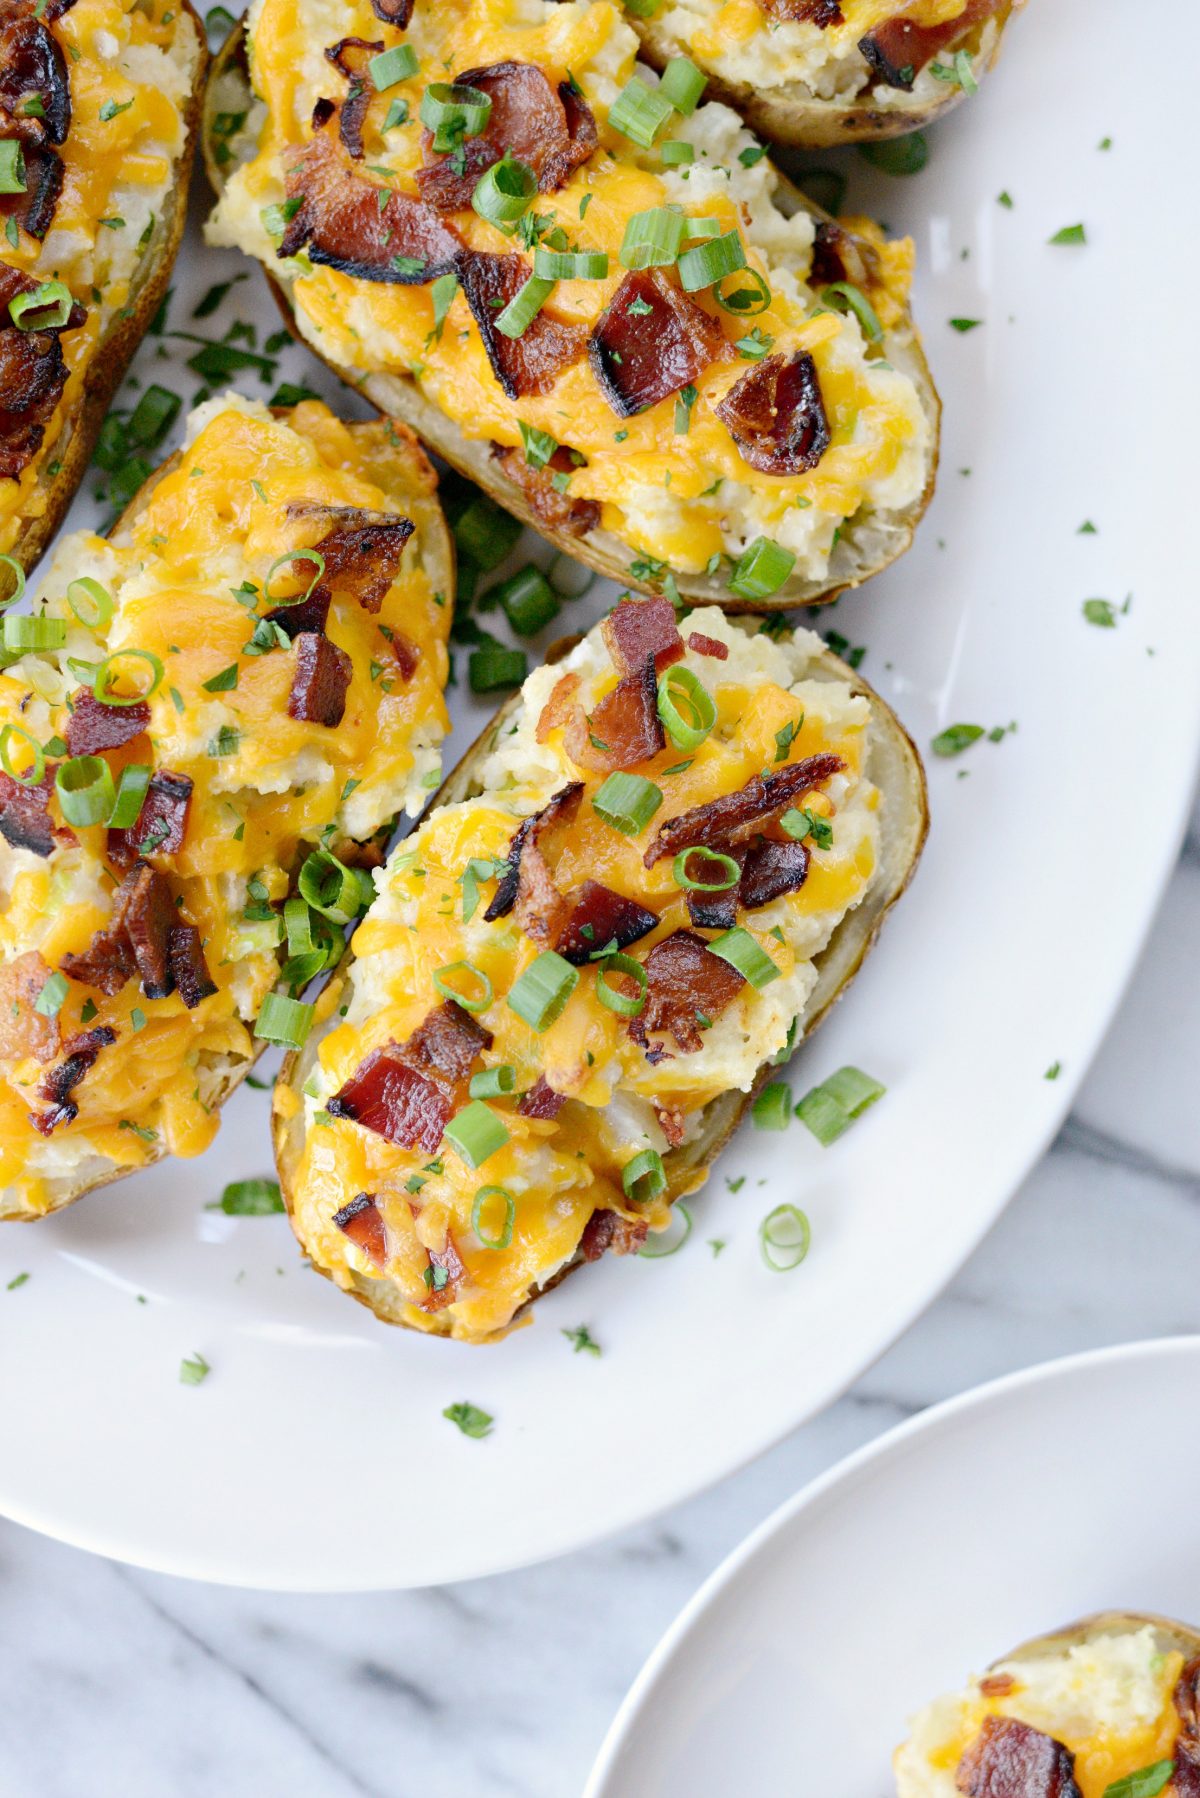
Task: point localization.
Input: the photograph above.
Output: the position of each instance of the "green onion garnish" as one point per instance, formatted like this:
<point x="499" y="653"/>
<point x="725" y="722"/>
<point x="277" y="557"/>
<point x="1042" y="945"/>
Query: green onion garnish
<point x="479" y="1002"/>
<point x="740" y="950"/>
<point x="830" y="1109"/>
<point x="32" y="779"/>
<point x="727" y="871"/>
<point x="744" y="301"/>
<point x="484" y="1198"/>
<point x="626" y="1005"/>
<point x="293" y="555"/>
<point x="800" y="822"/>
<point x="540" y="994"/>
<point x="955" y="738"/>
<point x="653" y="239"/>
<point x="784" y="1237"/>
<point x="524" y="307"/>
<point x="711" y="262"/>
<point x="127" y="805"/>
<point x="682" y="84"/>
<point x="337" y="892"/>
<point x="91" y="603"/>
<point x="298" y="922"/>
<point x="250" y="1198"/>
<point x="528" y="599"/>
<point x="106" y="671"/>
<point x="686" y="707"/>
<point x="47" y="308"/>
<point x="284" y="1020"/>
<point x="1147" y="1782"/>
<point x="49" y="1000"/>
<point x="153" y="416"/>
<point x="452" y="111"/>
<point x="762" y="569"/>
<point x="640" y="112"/>
<point x="475" y="1133"/>
<point x="569" y="265"/>
<point x="18" y="580"/>
<point x="492" y="666"/>
<point x="898" y="155"/>
<point x="539" y="446"/>
<point x="677" y="154"/>
<point x="772" y="1109"/>
<point x="493" y="1083"/>
<point x="34" y="632"/>
<point x="85" y="789"/>
<point x="671" y="1240"/>
<point x="627" y="802"/>
<point x="644" y="1177"/>
<point x="701" y="228"/>
<point x="483" y="533"/>
<point x="470" y="1420"/>
<point x="843" y="296"/>
<point x="392" y="66"/>
<point x="504" y="194"/>
<point x="12" y="166"/>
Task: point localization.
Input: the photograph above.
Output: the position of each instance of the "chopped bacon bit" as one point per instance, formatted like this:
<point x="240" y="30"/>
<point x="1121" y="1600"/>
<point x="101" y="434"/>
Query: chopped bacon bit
<point x="162" y="821"/>
<point x="624" y="729"/>
<point x="599" y="917"/>
<point x="80" y="1056"/>
<point x="1014" y="1760"/>
<point x="24" y="1031"/>
<point x="997" y="1685"/>
<point x="771" y="870"/>
<point x="821" y="13"/>
<point x="393" y="12"/>
<point x="637" y="628"/>
<point x="550" y="131"/>
<point x="776" y="416"/>
<point x="650" y="341"/>
<point x="351" y="57"/>
<point x="556" y="511"/>
<point x="25" y="819"/>
<point x="362" y="556"/>
<point x="541" y="1101"/>
<point x="407" y="1092"/>
<point x="451" y="1264"/>
<point x="320" y="682"/>
<point x="609" y="1230"/>
<point x="93" y="725"/>
<point x="341" y="222"/>
<point x="714" y="911"/>
<point x="685" y="982"/>
<point x="899" y="49"/>
<point x="1186" y="1780"/>
<point x="735" y="816"/>
<point x="362" y="1222"/>
<point x="1187" y="1698"/>
<point x="701" y="645"/>
<point x="107" y="962"/>
<point x="840" y="256"/>
<point x="33" y="373"/>
<point x="188" y="968"/>
<point x="558" y="708"/>
<point x="32" y="67"/>
<point x="527" y="364"/>
<point x="34" y="208"/>
<point x="672" y="1122"/>
<point x="146" y="912"/>
<point x="405" y="653"/>
<point x="560" y="809"/>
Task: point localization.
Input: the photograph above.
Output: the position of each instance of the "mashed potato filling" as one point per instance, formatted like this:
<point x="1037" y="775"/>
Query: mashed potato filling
<point x="677" y="496"/>
<point x="184" y="580"/>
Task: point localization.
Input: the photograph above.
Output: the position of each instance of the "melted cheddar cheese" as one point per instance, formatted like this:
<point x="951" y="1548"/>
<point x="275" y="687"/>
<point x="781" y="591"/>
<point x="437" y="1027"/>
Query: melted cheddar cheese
<point x="770" y="711"/>
<point x="186" y="579"/>
<point x="679" y="497"/>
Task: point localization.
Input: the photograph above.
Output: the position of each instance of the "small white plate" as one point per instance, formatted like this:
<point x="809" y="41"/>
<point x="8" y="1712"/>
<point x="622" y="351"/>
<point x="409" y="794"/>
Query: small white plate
<point x="1012" y="1510"/>
<point x="315" y="1455"/>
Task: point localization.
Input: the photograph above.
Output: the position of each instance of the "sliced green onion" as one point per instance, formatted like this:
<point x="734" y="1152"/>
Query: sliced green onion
<point x="644" y="1177"/>
<point x="47" y="308"/>
<point x="640" y="112"/>
<point x="672" y="1240"/>
<point x="830" y="1109"/>
<point x="740" y="950"/>
<point x="49" y="1000"/>
<point x="642" y="9"/>
<point x="475" y="1133"/>
<point x="682" y="84"/>
<point x="569" y="578"/>
<point x="676" y="154"/>
<point x="91" y="603"/>
<point x="12" y="166"/>
<point x="392" y="66"/>
<point x="746" y="302"/>
<point x="34" y="631"/>
<point x="784" y="1237"/>
<point x="18" y="580"/>
<point x="627" y="802"/>
<point x="702" y="228"/>
<point x="298" y="922"/>
<point x="528" y="599"/>
<point x="728" y="877"/>
<point x="569" y="265"/>
<point x="337" y="892"/>
<point x="524" y="307"/>
<point x="493" y="666"/>
<point x="843" y="296"/>
<point x="653" y="239"/>
<point x="284" y="1020"/>
<point x="711" y="262"/>
<point x="483" y="532"/>
<point x="127" y="806"/>
<point x="294" y="555"/>
<point x="7" y="737"/>
<point x="505" y="192"/>
<point x="772" y="1108"/>
<point x="451" y="110"/>
<point x="482" y="1198"/>
<point x="762" y="569"/>
<point x="441" y="981"/>
<point x="105" y="671"/>
<point x="85" y="789"/>
<point x="493" y="1083"/>
<point x="686" y="707"/>
<point x="153" y="416"/>
<point x="540" y="994"/>
<point x="625" y="1005"/>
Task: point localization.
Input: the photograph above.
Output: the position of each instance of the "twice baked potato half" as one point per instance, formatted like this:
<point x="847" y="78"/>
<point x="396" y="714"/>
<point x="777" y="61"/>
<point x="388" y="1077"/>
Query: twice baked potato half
<point x="1106" y="1708"/>
<point x="821" y="72"/>
<point x="613" y="314"/>
<point x="99" y="113"/>
<point x="205" y="725"/>
<point x="579" y="967"/>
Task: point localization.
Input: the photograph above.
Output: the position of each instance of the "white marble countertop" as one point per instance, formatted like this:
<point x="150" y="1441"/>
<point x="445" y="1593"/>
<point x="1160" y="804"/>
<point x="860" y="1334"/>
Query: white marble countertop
<point x="129" y="1683"/>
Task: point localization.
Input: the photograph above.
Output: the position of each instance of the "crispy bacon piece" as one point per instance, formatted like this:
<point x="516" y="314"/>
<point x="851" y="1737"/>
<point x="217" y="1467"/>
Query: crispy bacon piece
<point x="362" y="556"/>
<point x="609" y="1230"/>
<point x="25" y="819"/>
<point x="597" y="917"/>
<point x="735" y="816"/>
<point x="821" y="13"/>
<point x="557" y="511"/>
<point x="686" y="982"/>
<point x="997" y="1685"/>
<point x="341" y="222"/>
<point x="32" y="68"/>
<point x="393" y="12"/>
<point x="650" y="341"/>
<point x="162" y="822"/>
<point x="60" y="1082"/>
<point x="672" y="1122"/>
<point x="840" y="256"/>
<point x="33" y="373"/>
<point x="771" y="870"/>
<point x="637" y="628"/>
<point x="1186" y="1780"/>
<point x="93" y="726"/>
<point x="558" y="708"/>
<point x="405" y="653"/>
<point x="551" y="131"/>
<point x="541" y="1101"/>
<point x="625" y="727"/>
<point x="107" y="962"/>
<point x="701" y="645"/>
<point x="34" y="208"/>
<point x="528" y="885"/>
<point x="776" y="416"/>
<point x="24" y="1031"/>
<point x="407" y="1092"/>
<point x="1012" y="1760"/>
<point x="714" y="911"/>
<point x="898" y="49"/>
<point x="351" y="57"/>
<point x="320" y="681"/>
<point x="448" y="1262"/>
<point x="532" y="362"/>
<point x="187" y="966"/>
<point x="362" y="1221"/>
<point x="145" y="910"/>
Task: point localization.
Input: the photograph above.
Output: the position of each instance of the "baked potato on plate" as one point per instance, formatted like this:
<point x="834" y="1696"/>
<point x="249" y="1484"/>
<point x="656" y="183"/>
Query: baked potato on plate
<point x="1107" y="1708"/>
<point x="99" y="110"/>
<point x="204" y="727"/>
<point x="609" y="310"/>
<point x="656" y="869"/>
